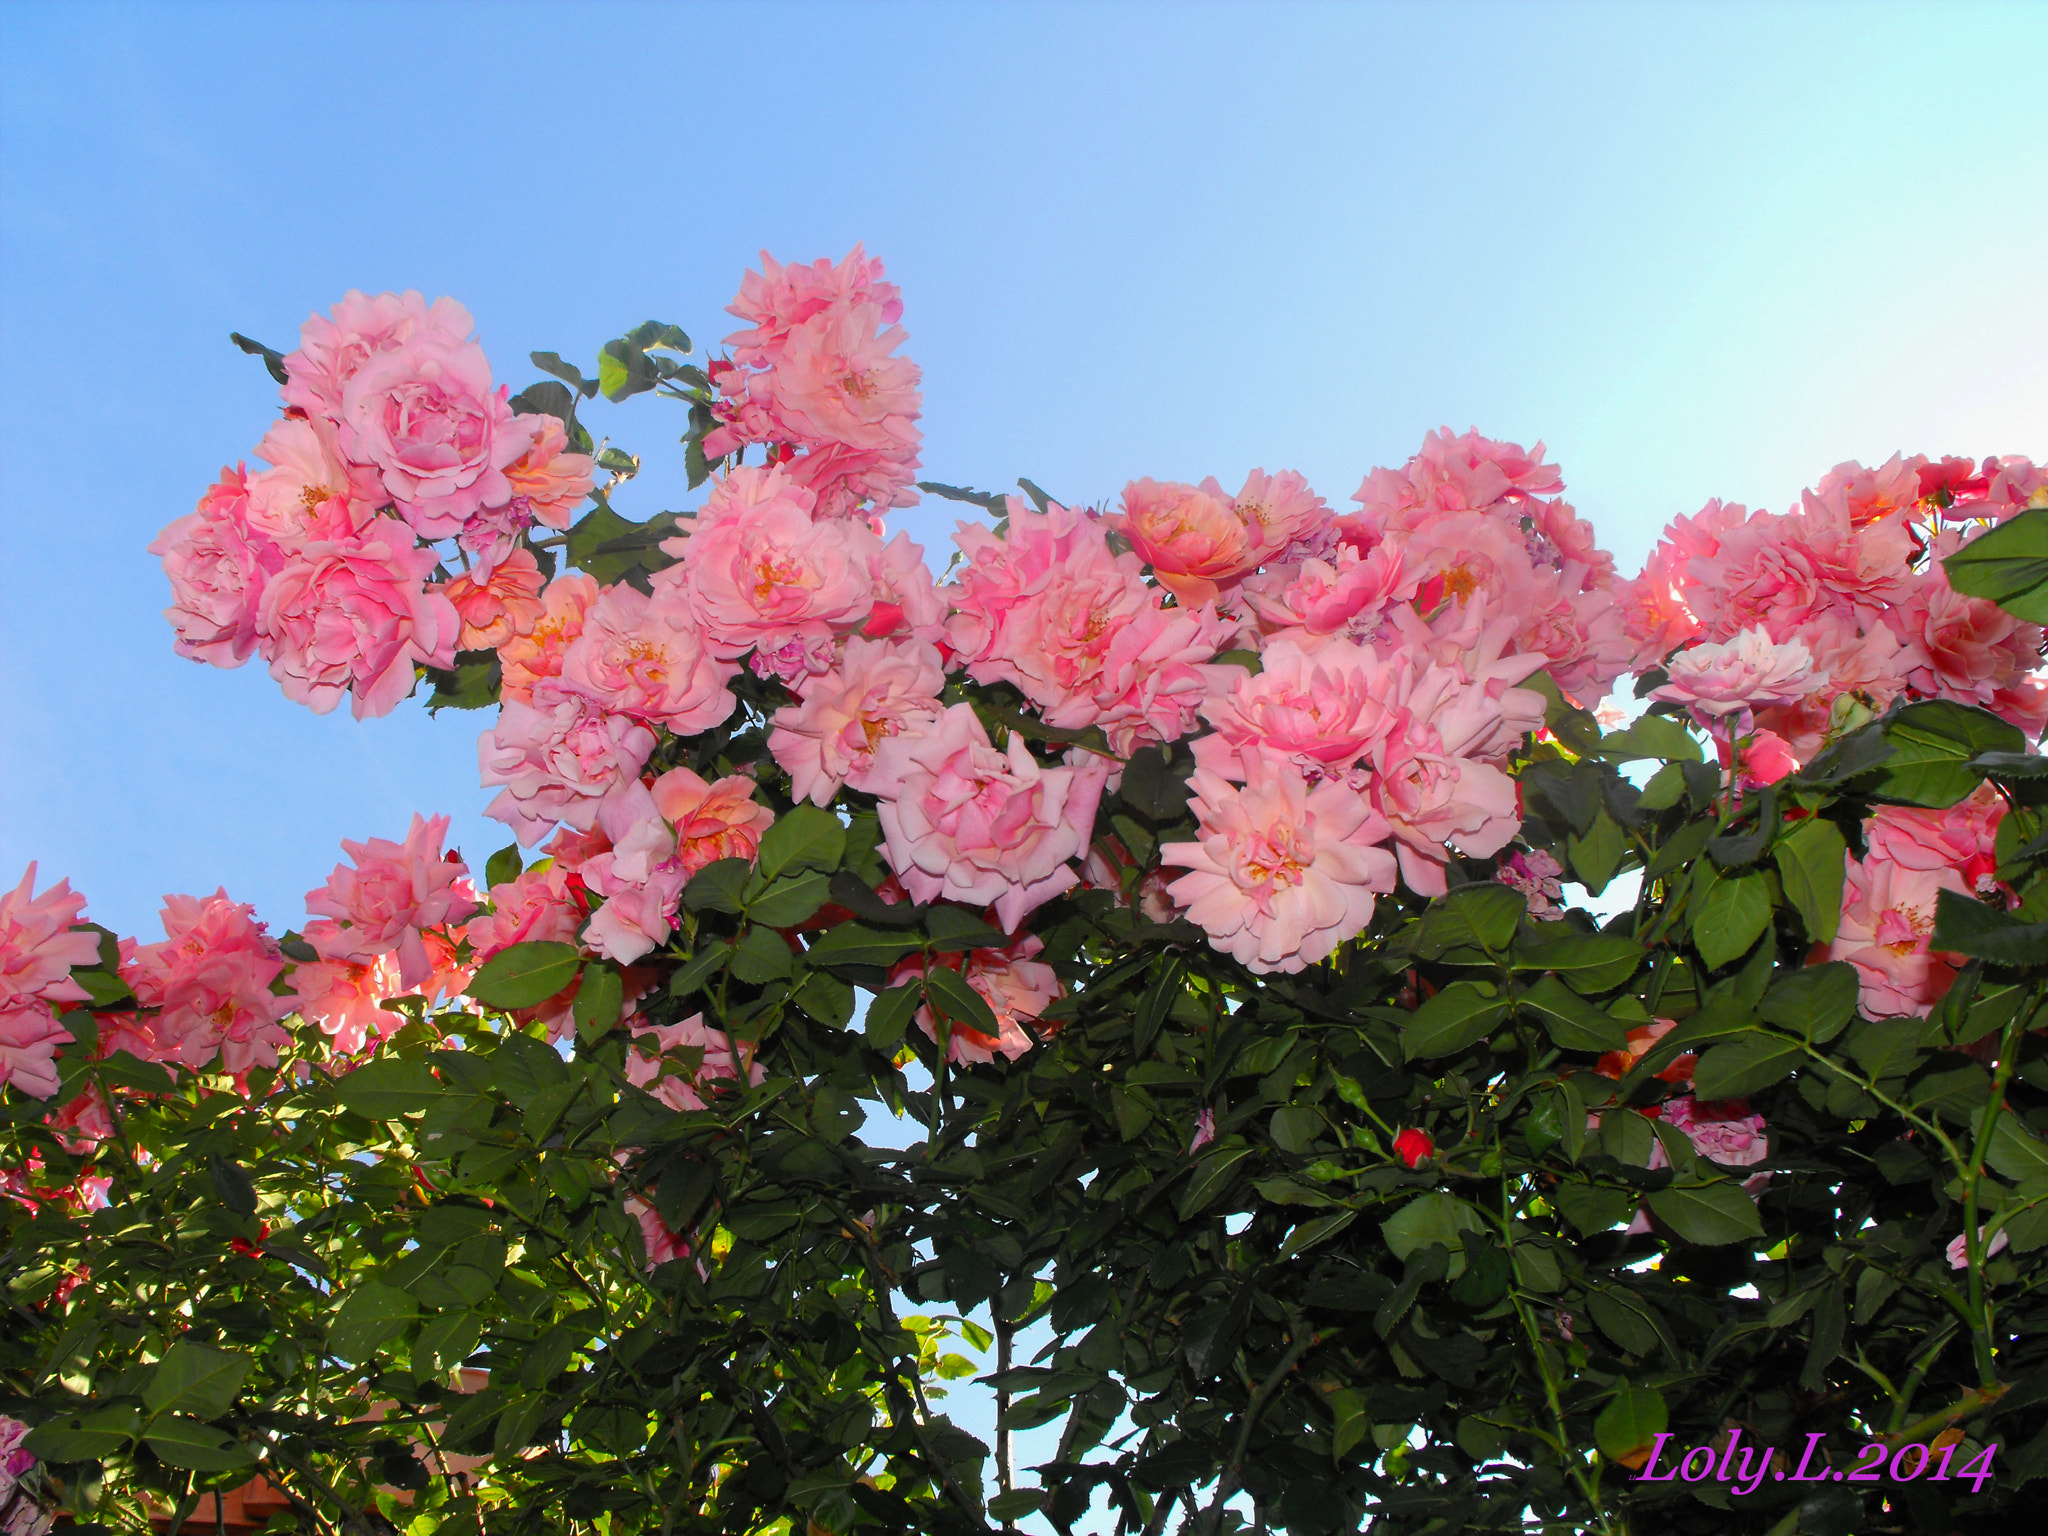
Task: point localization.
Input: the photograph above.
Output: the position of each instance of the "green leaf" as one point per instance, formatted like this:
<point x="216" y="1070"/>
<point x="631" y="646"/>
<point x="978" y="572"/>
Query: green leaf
<point x="761" y="956"/>
<point x="988" y="501"/>
<point x="856" y="944"/>
<point x="273" y="360"/>
<point x="802" y="838"/>
<point x="1485" y="914"/>
<point x="1592" y="1207"/>
<point x="1708" y="1214"/>
<point x="889" y="1014"/>
<point x="1966" y="926"/>
<point x="1658" y="736"/>
<point x="1597" y="854"/>
<point x="1812" y="861"/>
<point x="827" y="999"/>
<point x="445" y="1342"/>
<point x="83" y="1436"/>
<point x="197" y="1447"/>
<point x="1213" y="1174"/>
<point x="692" y="973"/>
<point x="194" y="1379"/>
<point x="2007" y="565"/>
<point x="369" y="1317"/>
<point x="956" y="928"/>
<point x="719" y="886"/>
<point x="1310" y="1233"/>
<point x="1744" y="1065"/>
<point x="525" y="975"/>
<point x="231" y="1182"/>
<point x="1818" y="1000"/>
<point x="599" y="1000"/>
<point x="2016" y="1152"/>
<point x="1933" y="742"/>
<point x="1626" y="1136"/>
<point x="1431" y="1217"/>
<point x="1293" y="1127"/>
<point x="1731" y="916"/>
<point x="950" y="995"/>
<point x="568" y="373"/>
<point x="472" y="683"/>
<point x="1462" y="1014"/>
<point x="790" y="900"/>
<point x="504" y="866"/>
<point x="1586" y="962"/>
<point x="389" y="1087"/>
<point x="1574" y="1023"/>
<point x="1630" y="1423"/>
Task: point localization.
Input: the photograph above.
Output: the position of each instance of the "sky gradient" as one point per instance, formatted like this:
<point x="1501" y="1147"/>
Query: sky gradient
<point x="1699" y="251"/>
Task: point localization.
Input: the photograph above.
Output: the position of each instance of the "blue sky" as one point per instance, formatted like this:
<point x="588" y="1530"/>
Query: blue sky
<point x="1698" y="250"/>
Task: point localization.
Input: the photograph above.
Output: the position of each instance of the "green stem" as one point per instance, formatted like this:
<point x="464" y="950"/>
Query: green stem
<point x="1981" y="1308"/>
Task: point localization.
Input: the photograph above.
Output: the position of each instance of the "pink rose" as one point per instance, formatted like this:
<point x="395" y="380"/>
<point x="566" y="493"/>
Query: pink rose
<point x="1346" y="595"/>
<point x="1190" y="535"/>
<point x="1748" y="673"/>
<point x="1433" y="799"/>
<point x="499" y="605"/>
<point x="779" y="298"/>
<point x="1961" y="840"/>
<point x="217" y="565"/>
<point x="349" y="615"/>
<point x="645" y="657"/>
<point x="836" y="381"/>
<point x="210" y="978"/>
<point x="846" y="480"/>
<point x="907" y="602"/>
<point x="557" y="757"/>
<point x="30" y="1037"/>
<point x="529" y="658"/>
<point x="720" y="820"/>
<point x="425" y="415"/>
<point x="974" y="825"/>
<point x="310" y="486"/>
<point x="675" y="1080"/>
<point x="1538" y="876"/>
<point x="1283" y="872"/>
<point x="1321" y="712"/>
<point x="1453" y="473"/>
<point x="346" y="1000"/>
<point x="1958" y="1250"/>
<point x="38" y="946"/>
<point x="879" y="689"/>
<point x="1887" y="919"/>
<point x="547" y="481"/>
<point x="334" y="347"/>
<point x="394" y="893"/>
<point x="1723" y="1131"/>
<point x="756" y="570"/>
<point x="1279" y="511"/>
<point x="536" y="905"/>
<point x="1017" y="988"/>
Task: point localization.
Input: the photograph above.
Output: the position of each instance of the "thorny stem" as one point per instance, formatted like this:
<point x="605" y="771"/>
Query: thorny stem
<point x="1299" y="1338"/>
<point x="1004" y="1474"/>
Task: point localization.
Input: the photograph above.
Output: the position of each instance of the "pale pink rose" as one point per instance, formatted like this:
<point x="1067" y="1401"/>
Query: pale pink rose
<point x="846" y="481"/>
<point x="426" y="415"/>
<point x="38" y="944"/>
<point x="974" y="825"/>
<point x="536" y="905"/>
<point x="346" y="1000"/>
<point x="907" y="601"/>
<point x="1346" y="595"/>
<point x="217" y="565"/>
<point x="349" y="615"/>
<point x="836" y="381"/>
<point x="394" y="893"/>
<point x="757" y="570"/>
<point x="719" y="820"/>
<point x="30" y="1037"/>
<point x="557" y="757"/>
<point x="547" y="481"/>
<point x="1959" y="647"/>
<point x="1777" y="572"/>
<point x="1723" y="1130"/>
<point x="1284" y="872"/>
<point x="1538" y="876"/>
<point x="781" y="297"/>
<point x="1433" y="800"/>
<point x="1319" y="711"/>
<point x="310" y="486"/>
<point x="1747" y="673"/>
<point x="706" y="1057"/>
<point x="210" y="978"/>
<point x="1958" y="1249"/>
<point x="1961" y="840"/>
<point x="1190" y="535"/>
<point x="794" y="660"/>
<point x="645" y="657"/>
<point x="333" y="347"/>
<point x="639" y="910"/>
<point x="85" y="1122"/>
<point x="1278" y="512"/>
<point x="1452" y="473"/>
<point x="1887" y="919"/>
<point x="497" y="606"/>
<point x="879" y="689"/>
<point x="1146" y="684"/>
<point x="1017" y="987"/>
<point x="537" y="655"/>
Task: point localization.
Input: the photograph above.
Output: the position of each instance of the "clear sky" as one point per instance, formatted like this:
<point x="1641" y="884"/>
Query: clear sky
<point x="1698" y="250"/>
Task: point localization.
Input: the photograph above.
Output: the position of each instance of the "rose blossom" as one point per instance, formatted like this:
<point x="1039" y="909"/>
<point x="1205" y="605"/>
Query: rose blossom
<point x="756" y="570"/>
<point x="1284" y="872"/>
<point x="1453" y="472"/>
<point x="1887" y="920"/>
<point x="1413" y="1146"/>
<point x="978" y="826"/>
<point x="394" y="892"/>
<point x="878" y="690"/>
<point x="1747" y="673"/>
<point x="1637" y="1044"/>
<point x="712" y="821"/>
<point x="536" y="905"/>
<point x="38" y="947"/>
<point x="557" y="757"/>
<point x="1723" y="1131"/>
<point x="1958" y="1250"/>
<point x="348" y="614"/>
<point x="1017" y="988"/>
<point x="547" y="481"/>
<point x="648" y="1059"/>
<point x="217" y="565"/>
<point x="210" y="978"/>
<point x="1344" y="595"/>
<point x="1961" y="840"/>
<point x="1320" y="711"/>
<point x="1538" y="876"/>
<point x="30" y="1037"/>
<point x="309" y="485"/>
<point x="529" y="658"/>
<point x="503" y="604"/>
<point x="781" y="297"/>
<point x="425" y="414"/>
<point x="643" y="656"/>
<point x="1190" y="535"/>
<point x="662" y="834"/>
<point x="836" y="381"/>
<point x="334" y="346"/>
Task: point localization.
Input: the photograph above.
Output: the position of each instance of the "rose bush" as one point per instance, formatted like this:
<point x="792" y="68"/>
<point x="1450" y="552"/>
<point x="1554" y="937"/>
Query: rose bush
<point x="1291" y="1056"/>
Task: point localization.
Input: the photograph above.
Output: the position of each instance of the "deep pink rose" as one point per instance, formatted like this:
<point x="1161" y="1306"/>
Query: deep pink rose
<point x="218" y="566"/>
<point x="977" y="826"/>
<point x="210" y="977"/>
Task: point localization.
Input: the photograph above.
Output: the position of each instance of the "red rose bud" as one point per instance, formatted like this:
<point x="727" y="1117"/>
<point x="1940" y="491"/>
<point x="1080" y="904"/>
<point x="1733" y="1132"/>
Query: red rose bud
<point x="1412" y="1146"/>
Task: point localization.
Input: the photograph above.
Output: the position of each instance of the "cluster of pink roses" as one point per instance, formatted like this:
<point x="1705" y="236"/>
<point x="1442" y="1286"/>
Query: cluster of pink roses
<point x="1808" y="619"/>
<point x="814" y="378"/>
<point x="393" y="437"/>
